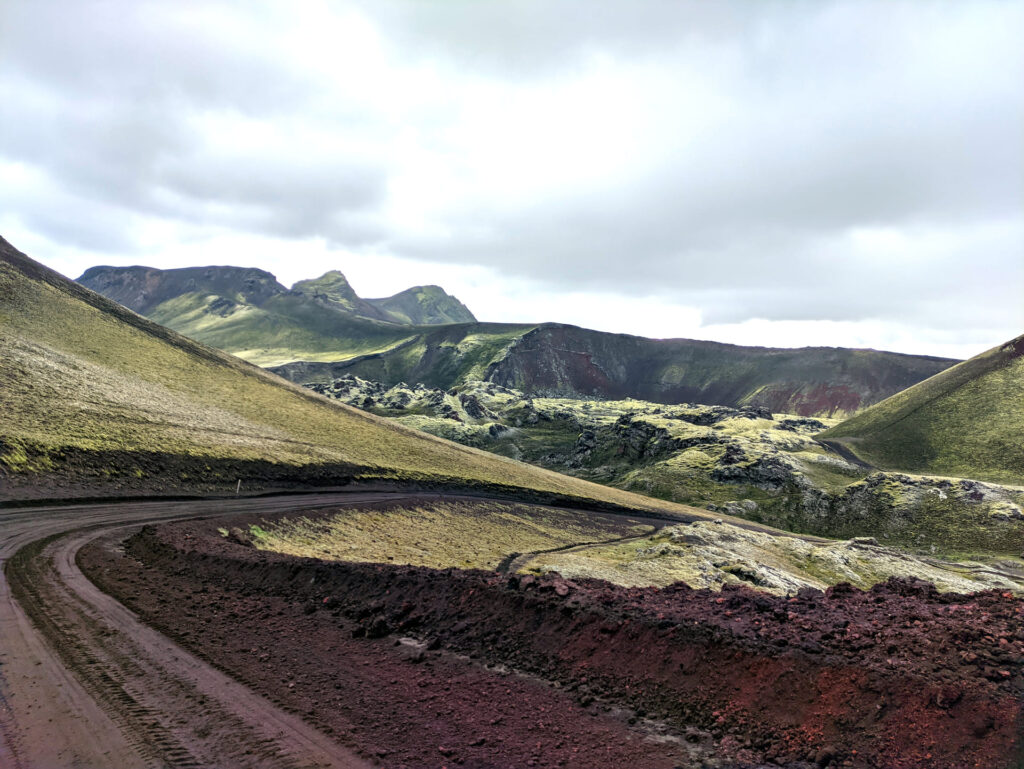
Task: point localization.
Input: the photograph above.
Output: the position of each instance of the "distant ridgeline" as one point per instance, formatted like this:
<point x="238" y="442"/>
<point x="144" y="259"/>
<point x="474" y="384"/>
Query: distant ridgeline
<point x="321" y="330"/>
<point x="146" y="290"/>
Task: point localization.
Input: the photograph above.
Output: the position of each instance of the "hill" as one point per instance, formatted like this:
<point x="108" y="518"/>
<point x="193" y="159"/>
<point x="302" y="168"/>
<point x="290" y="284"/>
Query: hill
<point x="964" y="422"/>
<point x="424" y="306"/>
<point x="321" y="329"/>
<point x="557" y="360"/>
<point x="99" y="400"/>
<point x="222" y="292"/>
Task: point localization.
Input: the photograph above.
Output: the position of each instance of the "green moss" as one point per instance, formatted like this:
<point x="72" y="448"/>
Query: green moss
<point x="965" y="422"/>
<point x="440" y="534"/>
<point x="80" y="372"/>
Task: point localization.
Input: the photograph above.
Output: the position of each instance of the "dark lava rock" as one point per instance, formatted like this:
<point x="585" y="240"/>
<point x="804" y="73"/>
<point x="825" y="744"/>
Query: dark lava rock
<point x="805" y="423"/>
<point x="378" y="628"/>
<point x="733" y="454"/>
<point x="472" y="405"/>
<point x="768" y="473"/>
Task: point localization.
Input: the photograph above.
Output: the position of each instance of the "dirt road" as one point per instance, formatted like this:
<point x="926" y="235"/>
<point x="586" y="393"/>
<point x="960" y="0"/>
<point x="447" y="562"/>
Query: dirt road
<point x="87" y="685"/>
<point x="84" y="683"/>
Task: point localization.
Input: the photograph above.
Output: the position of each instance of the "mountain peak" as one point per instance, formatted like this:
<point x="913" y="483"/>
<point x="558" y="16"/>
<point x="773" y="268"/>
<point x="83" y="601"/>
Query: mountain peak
<point x="145" y="289"/>
<point x="332" y="282"/>
<point x="425" y="305"/>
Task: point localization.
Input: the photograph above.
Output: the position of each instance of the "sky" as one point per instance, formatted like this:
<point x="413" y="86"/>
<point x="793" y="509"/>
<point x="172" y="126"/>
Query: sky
<point x="772" y="173"/>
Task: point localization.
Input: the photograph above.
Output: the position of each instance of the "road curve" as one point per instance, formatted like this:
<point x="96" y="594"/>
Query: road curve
<point x="83" y="683"/>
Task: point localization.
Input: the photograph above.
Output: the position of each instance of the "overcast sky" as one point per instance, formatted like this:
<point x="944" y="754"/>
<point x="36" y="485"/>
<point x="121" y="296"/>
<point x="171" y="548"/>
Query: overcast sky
<point x="790" y="173"/>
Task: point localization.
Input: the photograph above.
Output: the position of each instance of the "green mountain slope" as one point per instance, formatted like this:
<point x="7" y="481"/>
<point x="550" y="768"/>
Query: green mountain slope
<point x="271" y="333"/>
<point x="99" y="400"/>
<point x="247" y="312"/>
<point x="566" y="361"/>
<point x="322" y="329"/>
<point x="424" y="306"/>
<point x="967" y="422"/>
<point x="332" y="290"/>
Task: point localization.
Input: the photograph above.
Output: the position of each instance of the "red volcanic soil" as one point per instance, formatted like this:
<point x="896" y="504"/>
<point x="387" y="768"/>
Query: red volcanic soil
<point x="821" y="399"/>
<point x="899" y="676"/>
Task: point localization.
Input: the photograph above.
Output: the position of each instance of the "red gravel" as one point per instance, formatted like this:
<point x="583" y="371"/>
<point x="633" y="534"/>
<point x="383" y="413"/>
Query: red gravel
<point x="900" y="676"/>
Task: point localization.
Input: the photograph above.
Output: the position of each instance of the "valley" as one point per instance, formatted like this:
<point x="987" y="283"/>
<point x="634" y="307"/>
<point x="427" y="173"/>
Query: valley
<point x="206" y="564"/>
<point x="511" y="385"/>
<point x="321" y="330"/>
<point x="744" y="462"/>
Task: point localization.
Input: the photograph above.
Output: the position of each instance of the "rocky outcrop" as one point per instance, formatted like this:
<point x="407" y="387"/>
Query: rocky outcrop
<point x="743" y="461"/>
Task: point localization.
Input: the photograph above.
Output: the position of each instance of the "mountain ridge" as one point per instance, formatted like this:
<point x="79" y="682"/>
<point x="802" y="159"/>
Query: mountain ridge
<point x="144" y="289"/>
<point x="561" y="360"/>
<point x="101" y="401"/>
<point x="322" y="329"/>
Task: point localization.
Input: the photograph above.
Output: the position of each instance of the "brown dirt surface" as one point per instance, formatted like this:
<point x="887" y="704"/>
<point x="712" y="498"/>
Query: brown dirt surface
<point x="899" y="676"/>
<point x="398" y="704"/>
<point x="84" y="684"/>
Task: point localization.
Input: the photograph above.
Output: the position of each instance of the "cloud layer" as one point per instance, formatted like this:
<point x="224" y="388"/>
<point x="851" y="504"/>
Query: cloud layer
<point x="854" y="165"/>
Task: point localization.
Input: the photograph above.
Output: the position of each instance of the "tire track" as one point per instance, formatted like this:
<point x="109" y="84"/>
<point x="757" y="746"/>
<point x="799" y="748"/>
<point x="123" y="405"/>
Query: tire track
<point x="84" y="683"/>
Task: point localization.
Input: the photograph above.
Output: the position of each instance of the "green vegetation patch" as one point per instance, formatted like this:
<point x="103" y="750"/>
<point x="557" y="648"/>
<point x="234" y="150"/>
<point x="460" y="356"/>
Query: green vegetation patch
<point x="468" y="535"/>
<point x="965" y="422"/>
<point x="711" y="555"/>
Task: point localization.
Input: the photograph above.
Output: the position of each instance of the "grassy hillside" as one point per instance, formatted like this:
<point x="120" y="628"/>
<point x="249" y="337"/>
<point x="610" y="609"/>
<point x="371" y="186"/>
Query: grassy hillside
<point x="565" y="361"/>
<point x="966" y="422"/>
<point x="96" y="398"/>
<point x="272" y="333"/>
<point x="747" y="462"/>
<point x="322" y="329"/>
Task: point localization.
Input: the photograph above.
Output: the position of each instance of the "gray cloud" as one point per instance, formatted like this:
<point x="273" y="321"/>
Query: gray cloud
<point x="840" y="160"/>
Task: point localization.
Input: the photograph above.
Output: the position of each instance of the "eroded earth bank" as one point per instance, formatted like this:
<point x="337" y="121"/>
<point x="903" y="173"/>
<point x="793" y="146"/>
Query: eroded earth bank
<point x="420" y="667"/>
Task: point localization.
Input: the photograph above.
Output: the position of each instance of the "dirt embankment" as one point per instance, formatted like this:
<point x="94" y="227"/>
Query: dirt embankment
<point x="899" y="676"/>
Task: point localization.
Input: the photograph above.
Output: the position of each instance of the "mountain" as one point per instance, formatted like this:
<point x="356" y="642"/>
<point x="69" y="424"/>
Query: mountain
<point x="424" y="306"/>
<point x="99" y="401"/>
<point x="332" y="289"/>
<point x="566" y="361"/>
<point x="965" y="422"/>
<point x="321" y="329"/>
<point x="146" y="290"/>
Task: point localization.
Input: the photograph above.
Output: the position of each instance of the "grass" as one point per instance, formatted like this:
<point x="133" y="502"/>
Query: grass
<point x="283" y="329"/>
<point x="438" y="535"/>
<point x="480" y="535"/>
<point x="80" y="372"/>
<point x="965" y="422"/>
